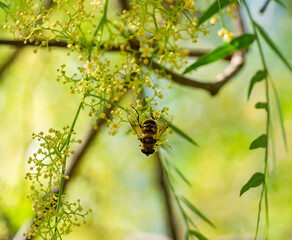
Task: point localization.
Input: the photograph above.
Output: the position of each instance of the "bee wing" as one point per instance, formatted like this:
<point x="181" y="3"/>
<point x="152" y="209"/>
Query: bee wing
<point x="162" y="124"/>
<point x="135" y="124"/>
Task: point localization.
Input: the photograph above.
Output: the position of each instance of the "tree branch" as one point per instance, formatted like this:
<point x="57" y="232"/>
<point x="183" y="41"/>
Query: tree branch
<point x="263" y="9"/>
<point x="124" y="4"/>
<point x="200" y="52"/>
<point x="9" y="61"/>
<point x="20" y="43"/>
<point x="170" y="218"/>
<point x="236" y="62"/>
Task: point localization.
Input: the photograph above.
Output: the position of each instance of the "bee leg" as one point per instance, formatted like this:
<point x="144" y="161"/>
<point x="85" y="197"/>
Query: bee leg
<point x="137" y="117"/>
<point x="151" y="114"/>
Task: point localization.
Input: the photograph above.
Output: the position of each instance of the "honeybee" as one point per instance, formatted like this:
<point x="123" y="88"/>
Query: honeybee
<point x="149" y="130"/>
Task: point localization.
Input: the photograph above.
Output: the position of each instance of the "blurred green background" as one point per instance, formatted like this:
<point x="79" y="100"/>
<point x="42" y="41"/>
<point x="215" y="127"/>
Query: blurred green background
<point x="118" y="182"/>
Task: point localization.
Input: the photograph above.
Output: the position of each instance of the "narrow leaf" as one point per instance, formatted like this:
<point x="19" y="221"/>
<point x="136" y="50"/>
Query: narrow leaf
<point x="259" y="76"/>
<point x="280" y="3"/>
<point x="183" y="134"/>
<point x="261" y="105"/>
<point x="187" y="235"/>
<point x="256" y="180"/>
<point x="213" y="9"/>
<point x="195" y="210"/>
<point x="260" y="142"/>
<point x="182" y="176"/>
<point x="4" y="6"/>
<point x="241" y="42"/>
<point x="197" y="234"/>
<point x="272" y="45"/>
<point x="167" y="157"/>
<point x="191" y="221"/>
<point x="280" y="114"/>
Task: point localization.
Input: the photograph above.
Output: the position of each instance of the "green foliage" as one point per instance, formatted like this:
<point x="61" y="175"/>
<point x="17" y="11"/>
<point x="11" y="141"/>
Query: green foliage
<point x="262" y="105"/>
<point x="182" y="134"/>
<point x="4" y="6"/>
<point x="147" y="34"/>
<point x="239" y="43"/>
<point x="280" y="2"/>
<point x="213" y="9"/>
<point x="256" y="180"/>
<point x="259" y="76"/>
<point x="197" y="234"/>
<point x="260" y="142"/>
<point x="195" y="210"/>
<point x="167" y="165"/>
<point x="54" y="216"/>
<point x="272" y="45"/>
<point x="280" y="114"/>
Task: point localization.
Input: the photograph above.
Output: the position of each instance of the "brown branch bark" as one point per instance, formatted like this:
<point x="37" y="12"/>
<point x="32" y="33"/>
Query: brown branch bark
<point x="264" y="7"/>
<point x="200" y="52"/>
<point x="20" y="43"/>
<point x="124" y="4"/>
<point x="9" y="61"/>
<point x="75" y="162"/>
<point x="211" y="87"/>
<point x="236" y="62"/>
<point x="169" y="217"/>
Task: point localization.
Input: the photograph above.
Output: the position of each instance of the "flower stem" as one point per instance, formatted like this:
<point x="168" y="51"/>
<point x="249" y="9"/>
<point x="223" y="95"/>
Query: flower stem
<point x="266" y="168"/>
<point x="59" y="202"/>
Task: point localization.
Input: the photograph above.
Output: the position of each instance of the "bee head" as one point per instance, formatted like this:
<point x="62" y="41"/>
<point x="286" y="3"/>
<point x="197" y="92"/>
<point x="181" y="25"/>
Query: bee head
<point x="147" y="151"/>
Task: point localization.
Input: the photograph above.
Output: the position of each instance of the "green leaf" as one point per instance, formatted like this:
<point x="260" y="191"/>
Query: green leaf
<point x="260" y="142"/>
<point x="213" y="9"/>
<point x="4" y="6"/>
<point x="183" y="134"/>
<point x="223" y="51"/>
<point x="187" y="235"/>
<point x="182" y="176"/>
<point x="197" y="234"/>
<point x="167" y="157"/>
<point x="259" y="76"/>
<point x="280" y="3"/>
<point x="280" y="114"/>
<point x="195" y="210"/>
<point x="272" y="45"/>
<point x="261" y="105"/>
<point x="256" y="180"/>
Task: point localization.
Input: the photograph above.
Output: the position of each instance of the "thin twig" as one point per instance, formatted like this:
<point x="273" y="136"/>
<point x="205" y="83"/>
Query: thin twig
<point x="53" y="43"/>
<point x="37" y="42"/>
<point x="71" y="170"/>
<point x="212" y="87"/>
<point x="20" y="43"/>
<point x="170" y="218"/>
<point x="236" y="62"/>
<point x="124" y="4"/>
<point x="9" y="61"/>
<point x="200" y="52"/>
<point x="263" y="9"/>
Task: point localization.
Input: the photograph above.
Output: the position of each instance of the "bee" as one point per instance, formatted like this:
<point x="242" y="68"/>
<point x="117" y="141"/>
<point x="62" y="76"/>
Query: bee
<point x="149" y="130"/>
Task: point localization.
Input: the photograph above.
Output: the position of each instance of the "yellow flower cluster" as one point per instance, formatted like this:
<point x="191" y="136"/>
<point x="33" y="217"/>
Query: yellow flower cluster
<point x="225" y="34"/>
<point x="145" y="35"/>
<point x="45" y="173"/>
